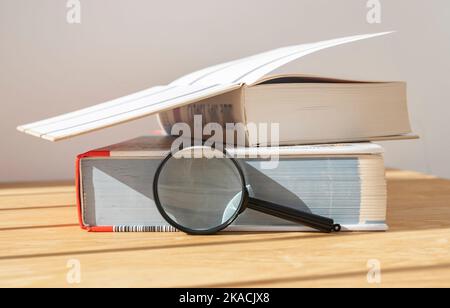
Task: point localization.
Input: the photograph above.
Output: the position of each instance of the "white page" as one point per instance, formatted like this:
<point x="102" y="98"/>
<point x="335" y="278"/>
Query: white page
<point x="81" y="125"/>
<point x="251" y="69"/>
<point x="199" y="76"/>
<point x="96" y="108"/>
<point x="160" y="99"/>
<point x="260" y="72"/>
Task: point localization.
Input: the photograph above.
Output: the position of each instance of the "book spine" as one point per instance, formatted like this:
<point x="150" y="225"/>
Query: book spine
<point x="79" y="189"/>
<point x="221" y="114"/>
<point x="380" y="227"/>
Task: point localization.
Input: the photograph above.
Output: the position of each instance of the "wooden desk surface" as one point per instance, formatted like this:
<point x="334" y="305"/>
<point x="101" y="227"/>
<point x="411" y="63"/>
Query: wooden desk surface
<point x="39" y="236"/>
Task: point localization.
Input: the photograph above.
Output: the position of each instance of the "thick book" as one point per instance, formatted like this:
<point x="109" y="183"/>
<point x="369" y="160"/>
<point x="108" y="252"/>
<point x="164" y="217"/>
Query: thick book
<point x="308" y="109"/>
<point x="345" y="182"/>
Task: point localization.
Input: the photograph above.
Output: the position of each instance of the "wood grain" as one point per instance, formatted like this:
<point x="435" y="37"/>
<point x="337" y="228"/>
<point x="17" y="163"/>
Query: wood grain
<point x="38" y="236"/>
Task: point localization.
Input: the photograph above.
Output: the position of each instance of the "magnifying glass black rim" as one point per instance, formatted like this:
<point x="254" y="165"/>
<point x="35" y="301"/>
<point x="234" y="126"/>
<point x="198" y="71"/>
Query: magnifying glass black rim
<point x="193" y="231"/>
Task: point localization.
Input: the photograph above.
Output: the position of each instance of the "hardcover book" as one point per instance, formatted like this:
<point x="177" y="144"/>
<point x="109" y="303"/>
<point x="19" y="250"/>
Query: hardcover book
<point x="345" y="182"/>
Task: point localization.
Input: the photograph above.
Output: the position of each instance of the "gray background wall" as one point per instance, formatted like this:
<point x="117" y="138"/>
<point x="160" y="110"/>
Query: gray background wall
<point x="48" y="66"/>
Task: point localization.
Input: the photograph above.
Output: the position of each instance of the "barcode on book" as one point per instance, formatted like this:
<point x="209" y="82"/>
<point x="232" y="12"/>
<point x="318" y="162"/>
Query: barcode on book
<point x="137" y="229"/>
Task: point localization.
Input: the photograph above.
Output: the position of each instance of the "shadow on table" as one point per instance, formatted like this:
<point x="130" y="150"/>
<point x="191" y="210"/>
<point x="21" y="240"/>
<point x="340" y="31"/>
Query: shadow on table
<point x="219" y="242"/>
<point x="337" y="276"/>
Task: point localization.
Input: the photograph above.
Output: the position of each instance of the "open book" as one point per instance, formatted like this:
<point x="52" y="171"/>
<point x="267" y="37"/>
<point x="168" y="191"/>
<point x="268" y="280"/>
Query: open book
<point x="309" y="110"/>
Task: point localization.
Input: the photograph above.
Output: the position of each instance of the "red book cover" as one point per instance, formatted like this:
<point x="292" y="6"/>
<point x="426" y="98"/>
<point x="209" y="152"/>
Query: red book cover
<point x="101" y="153"/>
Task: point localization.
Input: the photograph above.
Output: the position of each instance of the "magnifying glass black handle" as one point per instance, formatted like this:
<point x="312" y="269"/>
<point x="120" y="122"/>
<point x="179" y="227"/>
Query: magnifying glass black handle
<point x="319" y="223"/>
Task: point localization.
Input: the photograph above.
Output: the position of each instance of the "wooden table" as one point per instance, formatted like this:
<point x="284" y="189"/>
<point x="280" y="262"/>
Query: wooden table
<point x="42" y="246"/>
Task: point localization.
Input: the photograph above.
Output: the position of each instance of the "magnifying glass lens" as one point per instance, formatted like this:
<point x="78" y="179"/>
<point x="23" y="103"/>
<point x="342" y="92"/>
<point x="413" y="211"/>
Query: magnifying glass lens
<point x="199" y="193"/>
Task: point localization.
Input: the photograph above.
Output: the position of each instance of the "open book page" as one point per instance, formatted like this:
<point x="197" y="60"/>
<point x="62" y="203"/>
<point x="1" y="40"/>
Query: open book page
<point x="250" y="70"/>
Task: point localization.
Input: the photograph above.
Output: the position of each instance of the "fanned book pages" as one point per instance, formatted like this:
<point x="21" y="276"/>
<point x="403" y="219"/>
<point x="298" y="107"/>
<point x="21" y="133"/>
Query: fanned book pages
<point x="345" y="182"/>
<point x="345" y="110"/>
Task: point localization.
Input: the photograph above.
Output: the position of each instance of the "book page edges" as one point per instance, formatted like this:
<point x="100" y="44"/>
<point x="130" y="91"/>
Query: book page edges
<point x="49" y="137"/>
<point x="159" y="146"/>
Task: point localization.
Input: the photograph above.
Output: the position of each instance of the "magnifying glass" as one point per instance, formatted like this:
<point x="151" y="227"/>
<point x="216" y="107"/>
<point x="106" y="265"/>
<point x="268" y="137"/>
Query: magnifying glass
<point x="202" y="191"/>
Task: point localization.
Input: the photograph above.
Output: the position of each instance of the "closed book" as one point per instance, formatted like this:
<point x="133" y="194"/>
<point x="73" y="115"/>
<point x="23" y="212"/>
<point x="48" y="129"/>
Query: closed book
<point x="345" y="182"/>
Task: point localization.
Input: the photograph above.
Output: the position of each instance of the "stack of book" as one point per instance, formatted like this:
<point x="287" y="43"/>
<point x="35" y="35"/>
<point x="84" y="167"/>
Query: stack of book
<point x="326" y="163"/>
